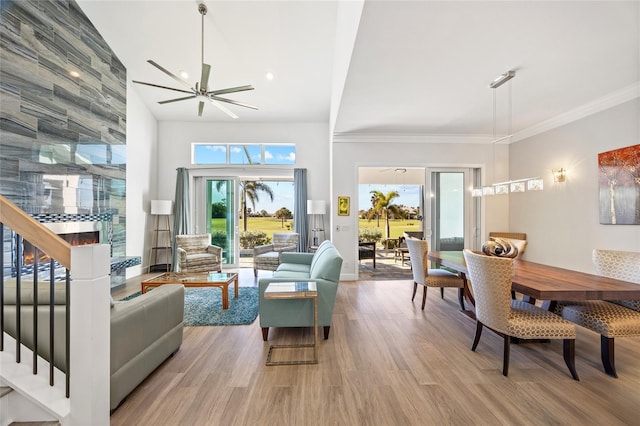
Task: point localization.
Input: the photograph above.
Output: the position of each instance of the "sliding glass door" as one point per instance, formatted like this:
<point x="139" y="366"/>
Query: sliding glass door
<point x="451" y="210"/>
<point x="222" y="216"/>
<point x="216" y="213"/>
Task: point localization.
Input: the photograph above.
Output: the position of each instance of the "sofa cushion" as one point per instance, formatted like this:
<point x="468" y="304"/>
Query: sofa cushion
<point x="324" y="246"/>
<point x="294" y="276"/>
<point x="326" y="265"/>
<point x="293" y="267"/>
<point x="271" y="258"/>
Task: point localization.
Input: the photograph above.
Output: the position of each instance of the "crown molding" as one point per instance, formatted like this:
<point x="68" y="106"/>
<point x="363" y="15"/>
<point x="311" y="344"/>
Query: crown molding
<point x="358" y="137"/>
<point x="611" y="100"/>
<point x="608" y="101"/>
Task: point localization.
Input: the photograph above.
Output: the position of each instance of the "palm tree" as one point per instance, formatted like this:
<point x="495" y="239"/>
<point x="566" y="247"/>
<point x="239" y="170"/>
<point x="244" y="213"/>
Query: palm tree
<point x="383" y="205"/>
<point x="374" y="206"/>
<point x="249" y="190"/>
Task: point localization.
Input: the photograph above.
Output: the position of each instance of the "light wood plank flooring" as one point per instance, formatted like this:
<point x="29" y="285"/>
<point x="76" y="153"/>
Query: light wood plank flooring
<point x="386" y="362"/>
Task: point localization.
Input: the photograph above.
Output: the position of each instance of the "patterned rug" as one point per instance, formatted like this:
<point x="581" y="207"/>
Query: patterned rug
<point x="203" y="306"/>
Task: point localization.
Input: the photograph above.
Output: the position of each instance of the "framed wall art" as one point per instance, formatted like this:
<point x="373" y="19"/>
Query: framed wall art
<point x="343" y="206"/>
<point x="619" y="186"/>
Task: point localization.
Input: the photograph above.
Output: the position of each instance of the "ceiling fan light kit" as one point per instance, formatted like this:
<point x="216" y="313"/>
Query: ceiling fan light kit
<point x="201" y="90"/>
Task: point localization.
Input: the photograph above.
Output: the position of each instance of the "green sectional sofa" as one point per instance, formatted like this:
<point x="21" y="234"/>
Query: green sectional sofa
<point x="145" y="331"/>
<point x="323" y="267"/>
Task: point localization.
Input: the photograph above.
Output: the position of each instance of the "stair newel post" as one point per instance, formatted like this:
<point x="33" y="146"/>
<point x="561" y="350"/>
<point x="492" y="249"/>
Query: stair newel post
<point x="90" y="330"/>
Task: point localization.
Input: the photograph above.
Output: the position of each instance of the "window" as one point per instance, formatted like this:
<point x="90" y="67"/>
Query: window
<point x="209" y="154"/>
<point x="279" y="154"/>
<point x="245" y="154"/>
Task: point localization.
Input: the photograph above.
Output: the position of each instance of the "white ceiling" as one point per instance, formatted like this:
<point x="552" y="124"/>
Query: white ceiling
<point x="417" y="67"/>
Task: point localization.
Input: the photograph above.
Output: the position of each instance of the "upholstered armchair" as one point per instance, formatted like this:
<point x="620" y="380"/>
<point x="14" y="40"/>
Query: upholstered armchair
<point x="508" y="318"/>
<point x="267" y="257"/>
<point x="197" y="254"/>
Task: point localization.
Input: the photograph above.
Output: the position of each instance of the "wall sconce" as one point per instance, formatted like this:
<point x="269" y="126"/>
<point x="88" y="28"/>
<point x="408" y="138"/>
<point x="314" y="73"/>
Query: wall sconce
<point x="559" y="175"/>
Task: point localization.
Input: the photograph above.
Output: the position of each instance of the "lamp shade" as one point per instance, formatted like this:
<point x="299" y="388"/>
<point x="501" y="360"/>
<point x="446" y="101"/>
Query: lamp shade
<point x="161" y="207"/>
<point x="316" y="207"/>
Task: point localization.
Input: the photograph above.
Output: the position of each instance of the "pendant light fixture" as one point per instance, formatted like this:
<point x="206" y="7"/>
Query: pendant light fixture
<point x="517" y="185"/>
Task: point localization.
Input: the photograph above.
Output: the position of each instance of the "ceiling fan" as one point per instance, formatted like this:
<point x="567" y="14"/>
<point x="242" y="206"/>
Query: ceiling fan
<point x="201" y="91"/>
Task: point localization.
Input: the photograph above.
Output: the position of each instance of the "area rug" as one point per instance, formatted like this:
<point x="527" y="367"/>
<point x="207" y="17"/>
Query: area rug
<point x="387" y="268"/>
<point x="203" y="306"/>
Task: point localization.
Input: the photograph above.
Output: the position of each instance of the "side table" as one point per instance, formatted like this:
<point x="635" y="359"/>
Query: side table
<point x="295" y="290"/>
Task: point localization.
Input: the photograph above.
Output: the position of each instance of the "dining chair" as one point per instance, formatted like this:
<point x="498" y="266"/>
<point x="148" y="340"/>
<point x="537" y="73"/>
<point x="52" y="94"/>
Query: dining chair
<point x="422" y="275"/>
<point x="509" y="318"/>
<point x="610" y="319"/>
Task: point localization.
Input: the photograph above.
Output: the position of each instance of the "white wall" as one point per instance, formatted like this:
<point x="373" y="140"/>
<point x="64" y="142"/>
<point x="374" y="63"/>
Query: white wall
<point x="311" y="139"/>
<point x="562" y="222"/>
<point x="142" y="173"/>
<point x="410" y="152"/>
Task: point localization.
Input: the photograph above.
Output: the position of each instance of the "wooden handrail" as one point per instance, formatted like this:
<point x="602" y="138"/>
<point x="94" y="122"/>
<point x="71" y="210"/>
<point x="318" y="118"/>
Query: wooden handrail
<point x="31" y="230"/>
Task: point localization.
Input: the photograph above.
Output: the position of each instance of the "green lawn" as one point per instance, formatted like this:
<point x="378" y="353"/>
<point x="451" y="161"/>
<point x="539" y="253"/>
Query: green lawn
<point x="266" y="224"/>
<point x="271" y="225"/>
<point x="396" y="227"/>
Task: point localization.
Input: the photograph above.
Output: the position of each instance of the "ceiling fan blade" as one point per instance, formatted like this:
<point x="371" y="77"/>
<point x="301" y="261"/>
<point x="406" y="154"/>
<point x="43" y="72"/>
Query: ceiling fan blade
<point x="161" y="87"/>
<point x="223" y="109"/>
<point x="200" y="108"/>
<point x="204" y="79"/>
<point x="175" y="77"/>
<point x="229" y="101"/>
<point x="178" y="99"/>
<point x="231" y="90"/>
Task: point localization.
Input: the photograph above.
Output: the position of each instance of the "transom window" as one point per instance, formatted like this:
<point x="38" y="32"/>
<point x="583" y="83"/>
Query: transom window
<point x="245" y="154"/>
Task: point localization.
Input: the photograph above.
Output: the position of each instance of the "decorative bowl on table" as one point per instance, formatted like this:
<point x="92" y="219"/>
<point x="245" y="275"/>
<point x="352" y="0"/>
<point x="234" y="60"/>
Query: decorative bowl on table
<point x="500" y="248"/>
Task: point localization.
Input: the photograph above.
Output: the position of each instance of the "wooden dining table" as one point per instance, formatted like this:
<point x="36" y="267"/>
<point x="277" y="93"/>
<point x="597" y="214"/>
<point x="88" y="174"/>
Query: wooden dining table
<point x="547" y="283"/>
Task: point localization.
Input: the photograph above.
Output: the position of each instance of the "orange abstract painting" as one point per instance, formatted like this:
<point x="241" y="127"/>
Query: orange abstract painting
<point x="619" y="181"/>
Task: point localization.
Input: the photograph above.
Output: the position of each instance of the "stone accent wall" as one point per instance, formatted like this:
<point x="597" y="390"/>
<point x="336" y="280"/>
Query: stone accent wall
<point x="62" y="135"/>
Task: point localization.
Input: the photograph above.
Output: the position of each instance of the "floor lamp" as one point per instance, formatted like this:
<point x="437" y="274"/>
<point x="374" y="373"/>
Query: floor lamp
<point x="316" y="210"/>
<point x="162" y="231"/>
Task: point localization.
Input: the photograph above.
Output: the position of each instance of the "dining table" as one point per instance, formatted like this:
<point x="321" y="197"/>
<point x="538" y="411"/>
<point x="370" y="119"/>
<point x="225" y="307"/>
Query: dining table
<point x="536" y="281"/>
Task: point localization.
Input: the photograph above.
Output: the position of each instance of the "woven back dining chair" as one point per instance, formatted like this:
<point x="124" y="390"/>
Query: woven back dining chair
<point x="610" y="319"/>
<point x="491" y="277"/>
<point x="426" y="277"/>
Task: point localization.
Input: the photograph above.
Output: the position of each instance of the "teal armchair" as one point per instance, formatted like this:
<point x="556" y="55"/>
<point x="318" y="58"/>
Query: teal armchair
<point x="323" y="267"/>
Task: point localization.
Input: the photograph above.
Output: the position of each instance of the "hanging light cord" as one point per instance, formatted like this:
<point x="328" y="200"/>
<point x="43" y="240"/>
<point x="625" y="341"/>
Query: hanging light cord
<point x="493" y="169"/>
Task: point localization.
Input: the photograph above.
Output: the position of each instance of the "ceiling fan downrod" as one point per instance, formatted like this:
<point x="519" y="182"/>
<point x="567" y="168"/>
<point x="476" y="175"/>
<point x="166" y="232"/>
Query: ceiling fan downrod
<point x="203" y="11"/>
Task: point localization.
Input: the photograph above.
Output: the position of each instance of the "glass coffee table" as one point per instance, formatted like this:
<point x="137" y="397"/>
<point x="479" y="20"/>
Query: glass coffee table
<point x="295" y="290"/>
<point x="197" y="279"/>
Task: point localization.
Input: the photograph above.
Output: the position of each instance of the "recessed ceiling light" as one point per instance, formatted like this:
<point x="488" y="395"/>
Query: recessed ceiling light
<point x="184" y="74"/>
<point x="269" y="76"/>
<point x="74" y="74"/>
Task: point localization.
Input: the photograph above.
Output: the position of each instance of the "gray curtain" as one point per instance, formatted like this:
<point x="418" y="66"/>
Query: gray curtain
<point x="301" y="223"/>
<point x="181" y="212"/>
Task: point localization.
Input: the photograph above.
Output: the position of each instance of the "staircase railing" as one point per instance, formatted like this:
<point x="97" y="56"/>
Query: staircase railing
<point x="86" y="320"/>
<point x="43" y="240"/>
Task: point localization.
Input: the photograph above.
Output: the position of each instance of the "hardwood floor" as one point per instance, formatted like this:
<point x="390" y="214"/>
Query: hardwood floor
<point x="386" y="362"/>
